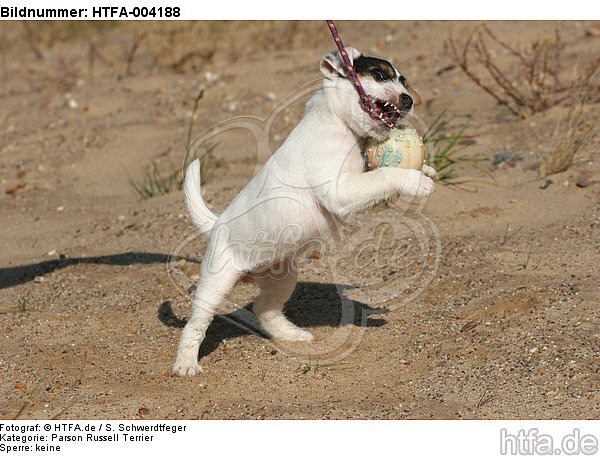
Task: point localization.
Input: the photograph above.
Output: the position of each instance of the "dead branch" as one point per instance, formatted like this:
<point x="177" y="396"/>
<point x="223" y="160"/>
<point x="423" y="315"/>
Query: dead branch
<point x="531" y="82"/>
<point x="130" y="54"/>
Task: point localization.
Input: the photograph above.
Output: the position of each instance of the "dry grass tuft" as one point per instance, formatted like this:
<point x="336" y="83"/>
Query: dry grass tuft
<point x="568" y="138"/>
<point x="448" y="143"/>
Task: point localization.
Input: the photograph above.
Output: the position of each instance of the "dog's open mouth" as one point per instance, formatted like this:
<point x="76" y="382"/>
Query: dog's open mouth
<point x="387" y="112"/>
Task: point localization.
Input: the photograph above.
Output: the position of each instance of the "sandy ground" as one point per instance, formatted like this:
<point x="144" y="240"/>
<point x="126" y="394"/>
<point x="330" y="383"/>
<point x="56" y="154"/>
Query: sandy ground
<point x="502" y="323"/>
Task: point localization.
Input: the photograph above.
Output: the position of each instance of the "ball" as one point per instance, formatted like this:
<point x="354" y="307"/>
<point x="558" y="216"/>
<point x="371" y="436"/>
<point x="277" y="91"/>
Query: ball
<point x="403" y="148"/>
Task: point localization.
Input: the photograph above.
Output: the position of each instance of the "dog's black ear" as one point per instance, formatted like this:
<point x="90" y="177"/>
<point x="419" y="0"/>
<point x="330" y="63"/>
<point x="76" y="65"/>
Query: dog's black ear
<point x="332" y="65"/>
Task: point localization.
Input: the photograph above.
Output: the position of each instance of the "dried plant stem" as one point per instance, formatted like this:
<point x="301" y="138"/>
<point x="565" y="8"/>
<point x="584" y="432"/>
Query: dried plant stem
<point x="529" y="84"/>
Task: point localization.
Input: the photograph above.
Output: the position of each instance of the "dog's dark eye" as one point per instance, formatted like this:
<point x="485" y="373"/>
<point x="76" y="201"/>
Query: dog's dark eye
<point x="378" y="75"/>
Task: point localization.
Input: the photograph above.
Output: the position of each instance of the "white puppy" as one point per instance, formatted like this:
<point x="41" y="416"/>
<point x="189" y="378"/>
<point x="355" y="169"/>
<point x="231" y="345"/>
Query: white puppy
<point x="317" y="173"/>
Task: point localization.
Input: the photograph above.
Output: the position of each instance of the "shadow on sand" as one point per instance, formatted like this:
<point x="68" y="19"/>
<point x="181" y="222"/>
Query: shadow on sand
<point x="311" y="305"/>
<point x="17" y="275"/>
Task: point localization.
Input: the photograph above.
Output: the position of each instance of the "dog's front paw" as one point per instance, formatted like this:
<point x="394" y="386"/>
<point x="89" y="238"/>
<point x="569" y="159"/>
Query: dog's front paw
<point x="418" y="184"/>
<point x="429" y="172"/>
<point x="184" y="369"/>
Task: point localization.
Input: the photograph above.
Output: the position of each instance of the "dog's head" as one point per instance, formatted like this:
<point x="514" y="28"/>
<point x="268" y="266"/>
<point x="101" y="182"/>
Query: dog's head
<point x="386" y="86"/>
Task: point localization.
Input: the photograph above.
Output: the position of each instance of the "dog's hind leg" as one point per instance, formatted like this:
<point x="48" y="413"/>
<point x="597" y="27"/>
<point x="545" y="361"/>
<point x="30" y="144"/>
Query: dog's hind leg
<point x="268" y="306"/>
<point x="209" y="295"/>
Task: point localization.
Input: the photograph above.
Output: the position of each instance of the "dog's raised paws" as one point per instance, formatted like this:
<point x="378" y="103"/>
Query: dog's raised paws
<point x="426" y="187"/>
<point x="429" y="172"/>
<point x="185" y="369"/>
<point x="418" y="184"/>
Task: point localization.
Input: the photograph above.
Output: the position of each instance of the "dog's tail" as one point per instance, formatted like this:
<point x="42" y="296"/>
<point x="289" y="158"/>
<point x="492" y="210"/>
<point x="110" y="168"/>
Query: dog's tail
<point x="202" y="216"/>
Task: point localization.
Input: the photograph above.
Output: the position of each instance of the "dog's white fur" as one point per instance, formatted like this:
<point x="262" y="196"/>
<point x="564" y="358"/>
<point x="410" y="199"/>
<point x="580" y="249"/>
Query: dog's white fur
<point x="317" y="173"/>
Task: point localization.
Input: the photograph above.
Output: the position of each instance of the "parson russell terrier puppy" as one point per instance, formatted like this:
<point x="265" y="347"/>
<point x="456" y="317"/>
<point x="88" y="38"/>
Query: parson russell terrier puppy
<point x="316" y="175"/>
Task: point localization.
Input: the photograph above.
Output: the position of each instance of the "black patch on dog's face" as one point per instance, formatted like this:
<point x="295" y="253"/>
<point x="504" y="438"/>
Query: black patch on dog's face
<point x="379" y="69"/>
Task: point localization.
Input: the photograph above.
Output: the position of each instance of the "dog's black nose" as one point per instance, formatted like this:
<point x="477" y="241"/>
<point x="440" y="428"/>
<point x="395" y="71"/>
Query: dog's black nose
<point x="406" y="102"/>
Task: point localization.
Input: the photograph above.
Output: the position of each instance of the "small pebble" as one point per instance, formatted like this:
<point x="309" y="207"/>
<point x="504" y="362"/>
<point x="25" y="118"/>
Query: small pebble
<point x="273" y="352"/>
<point x="506" y="157"/>
<point x="582" y="181"/>
<point x="60" y="208"/>
<point x="38" y="279"/>
<point x="469" y="326"/>
<point x="544" y="185"/>
<point x="211" y="77"/>
<point x="575" y="287"/>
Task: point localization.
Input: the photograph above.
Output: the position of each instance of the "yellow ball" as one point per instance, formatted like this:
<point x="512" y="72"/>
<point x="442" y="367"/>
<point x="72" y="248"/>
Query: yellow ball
<point x="403" y="148"/>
